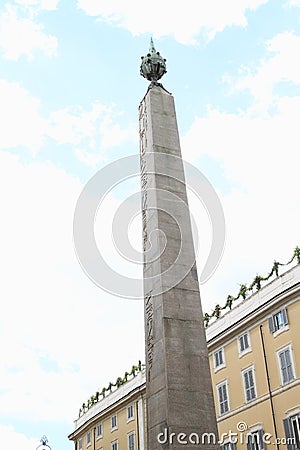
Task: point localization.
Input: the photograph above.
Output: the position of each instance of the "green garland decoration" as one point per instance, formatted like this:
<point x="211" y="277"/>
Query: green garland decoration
<point x="118" y="383"/>
<point x="244" y="290"/>
<point x="217" y="312"/>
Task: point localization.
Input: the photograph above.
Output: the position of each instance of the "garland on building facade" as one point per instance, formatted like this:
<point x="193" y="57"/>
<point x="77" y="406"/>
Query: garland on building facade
<point x="217" y="312"/>
<point x="99" y="395"/>
<point x="244" y="289"/>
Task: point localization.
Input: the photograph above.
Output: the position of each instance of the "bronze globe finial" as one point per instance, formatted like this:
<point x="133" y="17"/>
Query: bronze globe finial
<point x="153" y="65"/>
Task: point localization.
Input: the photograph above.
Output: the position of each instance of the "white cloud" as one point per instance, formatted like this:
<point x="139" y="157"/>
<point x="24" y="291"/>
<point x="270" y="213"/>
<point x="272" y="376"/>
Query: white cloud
<point x="21" y="34"/>
<point x="183" y="20"/>
<point x="93" y="132"/>
<point x="90" y="132"/>
<point x="11" y="438"/>
<point x="280" y="65"/>
<point x="257" y="150"/>
<point x="48" y="5"/>
<point x="259" y="159"/>
<point x="52" y="312"/>
<point x="21" y="124"/>
<point x="293" y="3"/>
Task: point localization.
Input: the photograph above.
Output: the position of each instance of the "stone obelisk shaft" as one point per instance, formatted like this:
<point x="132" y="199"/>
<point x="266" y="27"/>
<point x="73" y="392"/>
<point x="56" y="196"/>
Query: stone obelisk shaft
<point x="178" y="390"/>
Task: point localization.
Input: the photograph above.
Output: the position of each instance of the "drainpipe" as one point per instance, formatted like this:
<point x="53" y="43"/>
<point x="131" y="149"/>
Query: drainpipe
<point x="269" y="385"/>
<point x="137" y="426"/>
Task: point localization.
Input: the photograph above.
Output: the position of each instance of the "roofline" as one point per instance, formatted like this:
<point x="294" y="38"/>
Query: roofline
<point x="255" y="306"/>
<point x="92" y="414"/>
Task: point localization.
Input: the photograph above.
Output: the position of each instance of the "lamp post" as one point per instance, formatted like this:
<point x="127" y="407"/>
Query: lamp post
<point x="44" y="444"/>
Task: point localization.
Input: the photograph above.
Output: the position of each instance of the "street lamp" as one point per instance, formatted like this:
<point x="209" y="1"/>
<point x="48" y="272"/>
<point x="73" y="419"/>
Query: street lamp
<point x="44" y="444"/>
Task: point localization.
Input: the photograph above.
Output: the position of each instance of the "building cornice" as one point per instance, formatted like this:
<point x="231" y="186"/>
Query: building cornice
<point x="284" y="288"/>
<point x="117" y="398"/>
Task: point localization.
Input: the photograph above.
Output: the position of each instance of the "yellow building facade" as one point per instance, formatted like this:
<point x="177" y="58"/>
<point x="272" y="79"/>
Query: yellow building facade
<point x="255" y="365"/>
<point x="115" y="422"/>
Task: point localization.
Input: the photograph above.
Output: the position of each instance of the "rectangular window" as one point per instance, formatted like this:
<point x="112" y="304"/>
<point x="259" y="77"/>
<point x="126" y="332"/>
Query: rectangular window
<point x="99" y="429"/>
<point x="114" y="445"/>
<point x="278" y="320"/>
<point x="131" y="441"/>
<point x="249" y="384"/>
<point x="219" y="359"/>
<point x="80" y="444"/>
<point x="292" y="432"/>
<point x="88" y="438"/>
<point x="286" y="365"/>
<point x="228" y="446"/>
<point x="114" y="421"/>
<point x="244" y="343"/>
<point x="223" y="398"/>
<point x="255" y="440"/>
<point x="130" y="412"/>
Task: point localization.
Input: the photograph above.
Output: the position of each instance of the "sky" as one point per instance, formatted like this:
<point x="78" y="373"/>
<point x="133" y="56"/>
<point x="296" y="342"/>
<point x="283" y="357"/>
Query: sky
<point x="69" y="95"/>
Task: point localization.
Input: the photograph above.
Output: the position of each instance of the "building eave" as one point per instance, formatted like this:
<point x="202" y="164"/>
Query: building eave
<point x="283" y="288"/>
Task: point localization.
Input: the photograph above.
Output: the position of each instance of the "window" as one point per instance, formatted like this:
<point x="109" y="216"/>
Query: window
<point x="286" y="365"/>
<point x="80" y="444"/>
<point x="249" y="384"/>
<point x="278" y="320"/>
<point x="219" y="359"/>
<point x="223" y="397"/>
<point x="114" y="445"/>
<point x="244" y="343"/>
<point x="255" y="440"/>
<point x="292" y="432"/>
<point x="228" y="446"/>
<point x="99" y="429"/>
<point x="131" y="441"/>
<point x="130" y="412"/>
<point x="114" y="421"/>
<point x="88" y="438"/>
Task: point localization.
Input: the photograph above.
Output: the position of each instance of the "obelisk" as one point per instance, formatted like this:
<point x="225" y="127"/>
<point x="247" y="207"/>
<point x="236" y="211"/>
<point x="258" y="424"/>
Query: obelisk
<point x="179" y="398"/>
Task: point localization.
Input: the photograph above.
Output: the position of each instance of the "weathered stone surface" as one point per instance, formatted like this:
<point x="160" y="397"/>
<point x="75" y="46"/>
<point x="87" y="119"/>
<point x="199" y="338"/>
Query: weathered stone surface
<point x="179" y="391"/>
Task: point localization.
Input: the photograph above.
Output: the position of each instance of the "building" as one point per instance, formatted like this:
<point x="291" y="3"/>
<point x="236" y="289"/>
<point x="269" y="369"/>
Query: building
<point x="115" y="422"/>
<point x="255" y="365"/>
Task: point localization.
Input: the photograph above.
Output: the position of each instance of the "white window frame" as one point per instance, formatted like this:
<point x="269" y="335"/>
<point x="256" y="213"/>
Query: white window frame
<point x="247" y="349"/>
<point x="130" y="408"/>
<point x="259" y="442"/>
<point x="223" y="383"/>
<point x="88" y="438"/>
<point x="223" y="363"/>
<point x="249" y="369"/>
<point x="80" y="444"/>
<point x="99" y="425"/>
<point x="114" y="427"/>
<point x="283" y="349"/>
<point x="132" y="433"/>
<point x="276" y="328"/>
<point x="116" y="444"/>
<point x="228" y="445"/>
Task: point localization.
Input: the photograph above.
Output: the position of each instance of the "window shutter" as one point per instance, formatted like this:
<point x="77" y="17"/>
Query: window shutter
<point x="247" y="385"/>
<point x="246" y="343"/>
<point x="271" y="325"/>
<point x="249" y="442"/>
<point x="285" y="317"/>
<point x="261" y="439"/>
<point x="283" y="367"/>
<point x="242" y="346"/>
<point x="289" y="366"/>
<point x="289" y="434"/>
<point x="221" y="357"/>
